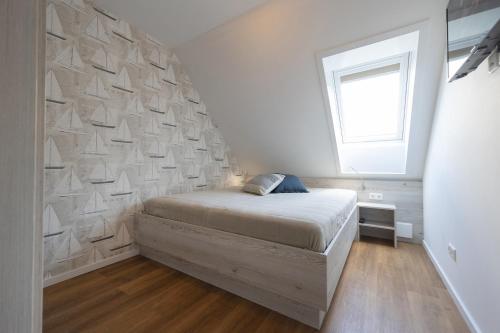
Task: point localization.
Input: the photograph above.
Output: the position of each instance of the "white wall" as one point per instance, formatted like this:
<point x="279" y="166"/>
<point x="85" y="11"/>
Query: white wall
<point x="259" y="77"/>
<point x="461" y="192"/>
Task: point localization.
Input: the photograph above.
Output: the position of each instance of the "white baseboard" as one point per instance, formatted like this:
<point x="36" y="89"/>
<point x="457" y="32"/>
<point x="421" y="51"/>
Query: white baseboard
<point x="473" y="326"/>
<point x="89" y="268"/>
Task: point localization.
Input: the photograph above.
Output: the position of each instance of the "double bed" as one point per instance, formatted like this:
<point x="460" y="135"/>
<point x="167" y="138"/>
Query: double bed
<point x="283" y="251"/>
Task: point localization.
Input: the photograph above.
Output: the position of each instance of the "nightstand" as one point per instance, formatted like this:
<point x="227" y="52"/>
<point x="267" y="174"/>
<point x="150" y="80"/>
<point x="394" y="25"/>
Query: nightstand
<point x="377" y="220"/>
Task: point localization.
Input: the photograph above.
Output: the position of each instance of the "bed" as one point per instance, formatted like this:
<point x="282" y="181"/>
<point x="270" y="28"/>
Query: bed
<point x="283" y="251"/>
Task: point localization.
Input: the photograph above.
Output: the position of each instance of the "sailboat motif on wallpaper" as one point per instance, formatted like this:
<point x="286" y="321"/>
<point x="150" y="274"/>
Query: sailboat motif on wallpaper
<point x="103" y="61"/>
<point x="152" y="81"/>
<point x="122" y="238"/>
<point x="96" y="30"/>
<point x="189" y="153"/>
<point x="157" y="104"/>
<point x="135" y="56"/>
<point x="152" y="127"/>
<point x="53" y="23"/>
<point x="168" y="75"/>
<point x="169" y="118"/>
<point x="69" y="249"/>
<point x="158" y="59"/>
<point x="95" y="204"/>
<point x="96" y="146"/>
<point x="178" y="178"/>
<point x="53" y="160"/>
<point x="169" y="161"/>
<point x="51" y="223"/>
<point x="103" y="117"/>
<point x="177" y="138"/>
<point x="174" y="59"/>
<point x="201" y="145"/>
<point x="193" y="171"/>
<point x="70" y="122"/>
<point x="122" y="82"/>
<point x="156" y="150"/>
<point x="206" y="159"/>
<point x="123" y="134"/>
<point x="154" y="192"/>
<point x="185" y="78"/>
<point x="53" y="92"/>
<point x="178" y="97"/>
<point x="78" y="5"/>
<point x="202" y="180"/>
<point x="102" y="174"/>
<point x="94" y="256"/>
<point x="190" y="114"/>
<point x="216" y="172"/>
<point x="101" y="230"/>
<point x="206" y="125"/>
<point x="225" y="163"/>
<point x="70" y="59"/>
<point x="193" y="133"/>
<point x="216" y="138"/>
<point x="96" y="88"/>
<point x="237" y="171"/>
<point x="135" y="157"/>
<point x="122" y="29"/>
<point x="202" y="109"/>
<point x="70" y="185"/>
<point x="135" y="203"/>
<point x="152" y="173"/>
<point x="122" y="186"/>
<point x="106" y="13"/>
<point x="153" y="40"/>
<point x="135" y="107"/>
<point x="219" y="154"/>
<point x="193" y="96"/>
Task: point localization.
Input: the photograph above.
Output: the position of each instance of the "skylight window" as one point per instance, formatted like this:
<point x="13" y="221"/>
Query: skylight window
<point x="370" y="93"/>
<point x="371" y="100"/>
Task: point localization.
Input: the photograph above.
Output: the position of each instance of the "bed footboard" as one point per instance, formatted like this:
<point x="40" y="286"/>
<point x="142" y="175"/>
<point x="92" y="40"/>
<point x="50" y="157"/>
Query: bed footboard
<point x="295" y="282"/>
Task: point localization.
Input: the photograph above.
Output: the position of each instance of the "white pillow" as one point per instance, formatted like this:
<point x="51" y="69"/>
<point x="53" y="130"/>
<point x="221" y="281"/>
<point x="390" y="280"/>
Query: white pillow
<point x="263" y="184"/>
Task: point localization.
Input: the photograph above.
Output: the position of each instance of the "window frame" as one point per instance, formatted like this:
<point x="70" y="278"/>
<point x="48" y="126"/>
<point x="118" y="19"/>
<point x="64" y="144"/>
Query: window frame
<point x="404" y="61"/>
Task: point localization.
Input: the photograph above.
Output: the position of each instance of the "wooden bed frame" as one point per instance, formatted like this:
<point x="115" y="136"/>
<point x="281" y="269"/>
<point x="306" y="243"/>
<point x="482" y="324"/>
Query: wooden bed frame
<point x="295" y="282"/>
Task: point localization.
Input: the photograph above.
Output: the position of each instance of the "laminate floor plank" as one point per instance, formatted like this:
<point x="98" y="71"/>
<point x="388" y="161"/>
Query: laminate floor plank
<point x="382" y="289"/>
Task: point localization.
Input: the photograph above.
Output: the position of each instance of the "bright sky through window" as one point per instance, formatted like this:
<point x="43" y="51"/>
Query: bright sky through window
<point x="371" y="107"/>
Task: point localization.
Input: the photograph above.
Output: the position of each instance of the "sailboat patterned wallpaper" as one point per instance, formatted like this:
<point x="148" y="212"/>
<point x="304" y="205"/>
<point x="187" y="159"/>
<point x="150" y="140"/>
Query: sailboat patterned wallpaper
<point x="123" y="124"/>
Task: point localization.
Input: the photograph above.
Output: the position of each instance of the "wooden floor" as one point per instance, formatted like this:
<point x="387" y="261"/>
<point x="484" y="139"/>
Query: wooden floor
<point x="382" y="289"/>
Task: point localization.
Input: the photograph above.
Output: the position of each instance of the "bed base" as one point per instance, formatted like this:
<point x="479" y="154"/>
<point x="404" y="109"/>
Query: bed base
<point x="295" y="282"/>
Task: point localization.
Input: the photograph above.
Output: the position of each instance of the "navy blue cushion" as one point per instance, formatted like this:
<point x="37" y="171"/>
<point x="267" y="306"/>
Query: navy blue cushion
<point x="291" y="184"/>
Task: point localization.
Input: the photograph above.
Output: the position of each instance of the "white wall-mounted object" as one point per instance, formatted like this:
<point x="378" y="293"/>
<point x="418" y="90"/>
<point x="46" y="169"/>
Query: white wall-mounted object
<point x="376" y="196"/>
<point x="452" y="252"/>
<point x="404" y="229"/>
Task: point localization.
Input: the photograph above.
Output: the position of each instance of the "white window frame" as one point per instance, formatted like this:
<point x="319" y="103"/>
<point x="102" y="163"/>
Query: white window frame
<point x="403" y="60"/>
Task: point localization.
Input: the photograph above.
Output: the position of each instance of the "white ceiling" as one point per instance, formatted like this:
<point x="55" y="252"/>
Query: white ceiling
<point x="177" y="21"/>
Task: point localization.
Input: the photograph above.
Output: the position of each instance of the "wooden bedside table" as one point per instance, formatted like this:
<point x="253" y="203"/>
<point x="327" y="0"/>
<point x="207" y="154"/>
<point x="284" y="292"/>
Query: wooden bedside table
<point x="377" y="220"/>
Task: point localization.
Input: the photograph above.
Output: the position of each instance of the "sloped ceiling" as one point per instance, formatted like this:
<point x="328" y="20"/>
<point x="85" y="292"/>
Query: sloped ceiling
<point x="177" y="21"/>
<point x="259" y="78"/>
<point x="258" y="74"/>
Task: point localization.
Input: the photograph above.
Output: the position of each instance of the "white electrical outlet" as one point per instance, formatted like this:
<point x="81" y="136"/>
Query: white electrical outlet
<point x="452" y="252"/>
<point x="376" y="196"/>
